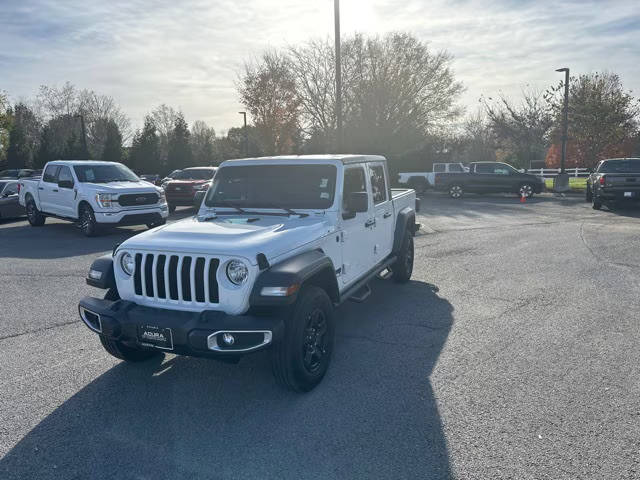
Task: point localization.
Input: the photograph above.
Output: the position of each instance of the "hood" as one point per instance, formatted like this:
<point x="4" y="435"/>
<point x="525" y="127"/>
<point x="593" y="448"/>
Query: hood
<point x="234" y="235"/>
<point x="186" y="183"/>
<point x="126" y="187"/>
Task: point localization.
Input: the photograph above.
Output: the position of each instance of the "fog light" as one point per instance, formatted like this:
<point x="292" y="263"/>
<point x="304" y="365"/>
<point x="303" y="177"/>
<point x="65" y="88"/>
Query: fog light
<point x="228" y="339"/>
<point x="95" y="274"/>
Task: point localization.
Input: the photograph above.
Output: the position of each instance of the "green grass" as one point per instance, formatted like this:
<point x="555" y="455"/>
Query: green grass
<point x="575" y="183"/>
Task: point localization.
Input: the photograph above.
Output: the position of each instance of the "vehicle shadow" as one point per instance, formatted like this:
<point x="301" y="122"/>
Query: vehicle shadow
<point x="58" y="239"/>
<point x="373" y="416"/>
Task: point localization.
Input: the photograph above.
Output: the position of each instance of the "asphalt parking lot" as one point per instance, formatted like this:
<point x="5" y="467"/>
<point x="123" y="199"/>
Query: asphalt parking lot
<point x="513" y="353"/>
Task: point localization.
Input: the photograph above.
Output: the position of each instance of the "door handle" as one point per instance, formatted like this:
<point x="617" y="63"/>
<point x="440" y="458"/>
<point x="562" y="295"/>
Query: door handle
<point x="370" y="223"/>
<point x="386" y="215"/>
<point x="40" y="188"/>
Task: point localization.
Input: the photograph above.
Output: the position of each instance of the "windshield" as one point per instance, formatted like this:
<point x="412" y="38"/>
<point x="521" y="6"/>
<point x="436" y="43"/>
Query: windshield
<point x="195" y="174"/>
<point x="631" y="165"/>
<point x="269" y="186"/>
<point x="104" y="173"/>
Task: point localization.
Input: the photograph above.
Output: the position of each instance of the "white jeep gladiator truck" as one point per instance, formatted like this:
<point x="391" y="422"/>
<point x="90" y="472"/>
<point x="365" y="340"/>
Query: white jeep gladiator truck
<point x="92" y="194"/>
<point x="277" y="243"/>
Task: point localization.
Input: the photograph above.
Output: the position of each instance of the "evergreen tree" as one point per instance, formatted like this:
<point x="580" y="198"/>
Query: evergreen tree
<point x="113" y="144"/>
<point x="144" y="152"/>
<point x="180" y="155"/>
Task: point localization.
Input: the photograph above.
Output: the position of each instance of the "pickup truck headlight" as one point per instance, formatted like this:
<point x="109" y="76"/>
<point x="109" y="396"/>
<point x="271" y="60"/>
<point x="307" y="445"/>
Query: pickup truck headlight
<point x="104" y="199"/>
<point x="128" y="263"/>
<point x="237" y="272"/>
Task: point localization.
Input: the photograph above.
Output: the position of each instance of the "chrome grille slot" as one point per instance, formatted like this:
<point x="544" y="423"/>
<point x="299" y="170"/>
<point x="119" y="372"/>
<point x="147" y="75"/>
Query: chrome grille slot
<point x="176" y="278"/>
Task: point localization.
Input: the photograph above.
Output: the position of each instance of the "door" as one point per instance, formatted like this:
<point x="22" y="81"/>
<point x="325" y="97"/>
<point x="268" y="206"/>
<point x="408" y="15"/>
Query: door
<point x="47" y="188"/>
<point x="65" y="196"/>
<point x="9" y="206"/>
<point x="383" y="207"/>
<point x="357" y="236"/>
<point x="490" y="177"/>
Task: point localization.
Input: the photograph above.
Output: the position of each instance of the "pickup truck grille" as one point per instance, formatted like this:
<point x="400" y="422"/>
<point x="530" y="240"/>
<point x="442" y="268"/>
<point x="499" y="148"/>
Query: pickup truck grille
<point x="178" y="278"/>
<point x="133" y="199"/>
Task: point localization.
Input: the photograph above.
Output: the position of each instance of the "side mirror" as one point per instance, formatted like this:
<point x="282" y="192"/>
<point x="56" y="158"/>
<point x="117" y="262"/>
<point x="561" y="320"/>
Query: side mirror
<point x="358" y="202"/>
<point x="65" y="184"/>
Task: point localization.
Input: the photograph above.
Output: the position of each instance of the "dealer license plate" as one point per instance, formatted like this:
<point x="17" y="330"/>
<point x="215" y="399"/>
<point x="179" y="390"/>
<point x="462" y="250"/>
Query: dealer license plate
<point x="157" y="337"/>
<point x="628" y="194"/>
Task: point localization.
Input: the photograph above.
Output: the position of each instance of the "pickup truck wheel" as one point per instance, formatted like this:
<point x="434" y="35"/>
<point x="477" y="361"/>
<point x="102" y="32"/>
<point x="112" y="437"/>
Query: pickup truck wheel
<point x="589" y="195"/>
<point x="456" y="191"/>
<point x="300" y="360"/>
<point x="403" y="266"/>
<point x="36" y="219"/>
<point x="596" y="203"/>
<point x="118" y="349"/>
<point x="172" y="208"/>
<point x="526" y="190"/>
<point x="87" y="222"/>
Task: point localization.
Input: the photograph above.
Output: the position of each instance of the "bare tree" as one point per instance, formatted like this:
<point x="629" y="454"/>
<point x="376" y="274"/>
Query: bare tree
<point x="203" y="143"/>
<point x="164" y="118"/>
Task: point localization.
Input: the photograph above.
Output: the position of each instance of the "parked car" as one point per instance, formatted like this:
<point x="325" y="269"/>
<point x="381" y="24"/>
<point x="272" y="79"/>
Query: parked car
<point x="168" y="178"/>
<point x="489" y="177"/>
<point x="181" y="191"/>
<point x="151" y="178"/>
<point x="92" y="194"/>
<point x="276" y="245"/>
<point x="19" y="173"/>
<point x="614" y="181"/>
<point x="420" y="181"/>
<point x="9" y="205"/>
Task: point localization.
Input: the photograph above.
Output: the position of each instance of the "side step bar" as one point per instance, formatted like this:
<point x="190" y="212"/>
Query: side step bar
<point x="354" y="290"/>
<point x="362" y="294"/>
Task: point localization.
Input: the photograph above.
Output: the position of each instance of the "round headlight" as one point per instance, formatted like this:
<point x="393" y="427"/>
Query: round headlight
<point x="237" y="272"/>
<point x="128" y="263"/>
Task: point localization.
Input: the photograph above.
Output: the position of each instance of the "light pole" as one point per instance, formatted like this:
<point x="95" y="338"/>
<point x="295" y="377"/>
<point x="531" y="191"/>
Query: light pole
<point x="336" y="12"/>
<point x="561" y="181"/>
<point x="246" y="135"/>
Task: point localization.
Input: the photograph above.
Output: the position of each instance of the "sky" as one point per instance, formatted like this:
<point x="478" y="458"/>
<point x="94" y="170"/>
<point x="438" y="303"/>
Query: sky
<point x="188" y="53"/>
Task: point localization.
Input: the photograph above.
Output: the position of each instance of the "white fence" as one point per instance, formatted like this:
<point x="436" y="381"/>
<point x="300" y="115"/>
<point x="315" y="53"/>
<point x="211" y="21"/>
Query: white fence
<point x="552" y="172"/>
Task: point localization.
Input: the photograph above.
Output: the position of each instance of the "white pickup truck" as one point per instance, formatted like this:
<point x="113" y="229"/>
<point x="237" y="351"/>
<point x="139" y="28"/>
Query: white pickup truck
<point x="277" y="243"/>
<point x="92" y="194"/>
<point x="420" y="181"/>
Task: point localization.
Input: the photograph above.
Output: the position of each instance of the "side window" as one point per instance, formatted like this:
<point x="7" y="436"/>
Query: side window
<point x="484" y="167"/>
<point x="50" y="174"/>
<point x="10" y="189"/>
<point x="455" y="168"/>
<point x="501" y="170"/>
<point x="438" y="167"/>
<point x="65" y="174"/>
<point x="378" y="184"/>
<point x="354" y="181"/>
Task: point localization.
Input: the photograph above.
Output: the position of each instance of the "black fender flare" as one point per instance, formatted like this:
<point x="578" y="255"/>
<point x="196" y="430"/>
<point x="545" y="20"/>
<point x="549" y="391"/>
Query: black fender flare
<point x="312" y="267"/>
<point x="107" y="279"/>
<point x="406" y="220"/>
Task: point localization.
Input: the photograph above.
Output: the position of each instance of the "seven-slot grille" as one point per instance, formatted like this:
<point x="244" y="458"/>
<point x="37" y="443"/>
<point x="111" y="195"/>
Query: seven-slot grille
<point x="183" y="278"/>
<point x="132" y="199"/>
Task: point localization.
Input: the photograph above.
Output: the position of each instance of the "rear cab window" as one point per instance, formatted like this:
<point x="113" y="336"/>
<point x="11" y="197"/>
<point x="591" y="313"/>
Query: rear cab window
<point x="378" y="184"/>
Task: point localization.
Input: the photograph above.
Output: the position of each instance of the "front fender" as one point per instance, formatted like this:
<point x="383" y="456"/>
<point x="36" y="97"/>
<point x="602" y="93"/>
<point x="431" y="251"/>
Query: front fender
<point x="101" y="273"/>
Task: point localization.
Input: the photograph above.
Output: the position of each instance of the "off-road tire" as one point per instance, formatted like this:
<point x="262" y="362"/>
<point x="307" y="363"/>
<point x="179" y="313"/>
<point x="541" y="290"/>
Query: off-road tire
<point x="34" y="216"/>
<point x="87" y="222"/>
<point x="118" y="349"/>
<point x="403" y="266"/>
<point x="292" y="359"/>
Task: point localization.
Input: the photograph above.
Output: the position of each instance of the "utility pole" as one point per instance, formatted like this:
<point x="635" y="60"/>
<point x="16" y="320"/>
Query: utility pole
<point x="336" y="11"/>
<point x="561" y="181"/>
<point x="246" y="135"/>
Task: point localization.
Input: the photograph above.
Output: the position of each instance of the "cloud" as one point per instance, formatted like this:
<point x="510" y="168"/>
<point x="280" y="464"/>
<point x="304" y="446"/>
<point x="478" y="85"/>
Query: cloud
<point x="188" y="53"/>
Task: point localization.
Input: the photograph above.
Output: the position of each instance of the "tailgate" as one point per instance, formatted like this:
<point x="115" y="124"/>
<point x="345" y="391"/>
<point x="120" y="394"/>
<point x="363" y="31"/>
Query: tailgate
<point x="620" y="181"/>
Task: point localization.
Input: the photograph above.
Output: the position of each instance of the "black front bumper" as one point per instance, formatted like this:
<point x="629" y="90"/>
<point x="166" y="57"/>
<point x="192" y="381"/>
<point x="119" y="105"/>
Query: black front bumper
<point x="139" y="219"/>
<point x="193" y="333"/>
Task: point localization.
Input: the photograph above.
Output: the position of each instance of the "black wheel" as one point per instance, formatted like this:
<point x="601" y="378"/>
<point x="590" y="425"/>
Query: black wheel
<point x="118" y="349"/>
<point x="87" y="221"/>
<point x="589" y="195"/>
<point x="526" y="190"/>
<point x="456" y="191"/>
<point x="403" y="267"/>
<point x="156" y="224"/>
<point x="596" y="203"/>
<point x="301" y="358"/>
<point x="36" y="219"/>
<point x="172" y="208"/>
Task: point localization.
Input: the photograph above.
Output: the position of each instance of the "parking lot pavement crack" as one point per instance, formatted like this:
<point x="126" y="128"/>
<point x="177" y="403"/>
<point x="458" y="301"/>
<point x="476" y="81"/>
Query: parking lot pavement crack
<point x="50" y="327"/>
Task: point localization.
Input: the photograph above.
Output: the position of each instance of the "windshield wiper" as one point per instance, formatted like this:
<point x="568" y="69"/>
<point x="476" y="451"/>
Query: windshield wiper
<point x="227" y="205"/>
<point x="290" y="211"/>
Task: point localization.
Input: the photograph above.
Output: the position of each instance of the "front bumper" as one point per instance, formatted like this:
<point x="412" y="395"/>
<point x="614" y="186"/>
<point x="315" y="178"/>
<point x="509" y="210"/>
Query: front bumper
<point x="198" y="334"/>
<point x="138" y="216"/>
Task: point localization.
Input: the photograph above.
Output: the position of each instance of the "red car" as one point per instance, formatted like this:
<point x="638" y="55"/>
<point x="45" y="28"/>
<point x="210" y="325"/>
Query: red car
<point x="181" y="191"/>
